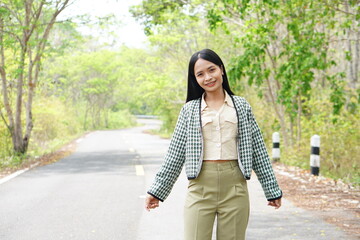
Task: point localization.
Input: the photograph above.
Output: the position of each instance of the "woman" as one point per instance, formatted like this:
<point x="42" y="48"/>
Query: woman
<point x="220" y="143"/>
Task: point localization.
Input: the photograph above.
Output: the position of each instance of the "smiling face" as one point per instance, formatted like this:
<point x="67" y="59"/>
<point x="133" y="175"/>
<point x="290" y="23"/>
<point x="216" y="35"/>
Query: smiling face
<point x="208" y="75"/>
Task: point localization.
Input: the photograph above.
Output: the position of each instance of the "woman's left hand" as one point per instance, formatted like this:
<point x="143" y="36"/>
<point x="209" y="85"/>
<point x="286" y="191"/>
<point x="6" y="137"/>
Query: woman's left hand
<point x="275" y="203"/>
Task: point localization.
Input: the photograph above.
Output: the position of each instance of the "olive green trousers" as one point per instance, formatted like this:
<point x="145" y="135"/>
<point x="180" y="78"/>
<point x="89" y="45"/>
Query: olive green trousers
<point x="219" y="191"/>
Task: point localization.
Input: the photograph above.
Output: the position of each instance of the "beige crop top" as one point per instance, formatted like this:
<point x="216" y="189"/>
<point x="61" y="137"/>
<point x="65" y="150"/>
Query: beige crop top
<point x="219" y="130"/>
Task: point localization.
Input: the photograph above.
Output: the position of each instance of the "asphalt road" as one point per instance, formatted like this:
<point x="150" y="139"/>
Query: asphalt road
<point x="98" y="193"/>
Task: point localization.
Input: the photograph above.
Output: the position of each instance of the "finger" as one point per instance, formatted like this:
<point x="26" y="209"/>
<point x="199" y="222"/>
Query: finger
<point x="275" y="204"/>
<point x="154" y="205"/>
<point x="147" y="206"/>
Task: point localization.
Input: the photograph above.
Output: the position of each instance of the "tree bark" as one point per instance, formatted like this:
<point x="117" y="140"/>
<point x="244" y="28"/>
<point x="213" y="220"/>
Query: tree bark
<point x="18" y="135"/>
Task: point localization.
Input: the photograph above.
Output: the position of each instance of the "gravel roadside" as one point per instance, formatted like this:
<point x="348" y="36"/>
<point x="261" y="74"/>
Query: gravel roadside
<point x="336" y="202"/>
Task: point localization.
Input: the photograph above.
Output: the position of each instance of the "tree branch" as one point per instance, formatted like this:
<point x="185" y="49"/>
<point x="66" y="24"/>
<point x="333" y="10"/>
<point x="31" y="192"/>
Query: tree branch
<point x="13" y="34"/>
<point x="42" y="43"/>
<point x="4" y="120"/>
<point x="36" y="18"/>
<point x="13" y="13"/>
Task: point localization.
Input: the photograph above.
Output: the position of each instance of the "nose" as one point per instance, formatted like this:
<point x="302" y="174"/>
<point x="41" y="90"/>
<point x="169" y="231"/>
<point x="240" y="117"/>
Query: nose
<point x="207" y="76"/>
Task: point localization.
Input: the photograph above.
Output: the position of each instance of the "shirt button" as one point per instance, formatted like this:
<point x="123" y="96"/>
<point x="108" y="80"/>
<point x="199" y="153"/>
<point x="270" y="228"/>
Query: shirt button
<point x="218" y="144"/>
<point x="217" y="128"/>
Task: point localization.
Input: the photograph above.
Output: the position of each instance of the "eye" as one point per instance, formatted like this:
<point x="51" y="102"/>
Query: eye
<point x="199" y="74"/>
<point x="212" y="69"/>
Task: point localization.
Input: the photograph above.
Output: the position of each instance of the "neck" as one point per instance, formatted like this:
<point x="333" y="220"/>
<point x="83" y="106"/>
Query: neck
<point x="215" y="96"/>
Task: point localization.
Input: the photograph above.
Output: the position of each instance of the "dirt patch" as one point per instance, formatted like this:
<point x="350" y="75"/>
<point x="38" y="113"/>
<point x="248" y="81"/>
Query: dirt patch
<point x="338" y="203"/>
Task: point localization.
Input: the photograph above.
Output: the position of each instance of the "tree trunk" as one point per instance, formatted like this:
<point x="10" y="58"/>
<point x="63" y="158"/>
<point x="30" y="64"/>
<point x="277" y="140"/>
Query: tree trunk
<point x="106" y="118"/>
<point x="291" y="137"/>
<point x="18" y="134"/>
<point x="10" y="124"/>
<point x="85" y="118"/>
<point x="357" y="60"/>
<point x="298" y="135"/>
<point x="351" y="72"/>
<point x="31" y="92"/>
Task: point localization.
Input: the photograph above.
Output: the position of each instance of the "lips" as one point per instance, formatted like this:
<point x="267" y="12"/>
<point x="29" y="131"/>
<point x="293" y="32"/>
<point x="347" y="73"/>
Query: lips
<point x="210" y="84"/>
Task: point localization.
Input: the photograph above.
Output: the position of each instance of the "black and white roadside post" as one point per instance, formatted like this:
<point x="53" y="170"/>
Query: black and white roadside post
<point x="315" y="155"/>
<point x="276" y="147"/>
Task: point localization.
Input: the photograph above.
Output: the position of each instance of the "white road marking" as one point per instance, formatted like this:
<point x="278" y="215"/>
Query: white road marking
<point x="139" y="170"/>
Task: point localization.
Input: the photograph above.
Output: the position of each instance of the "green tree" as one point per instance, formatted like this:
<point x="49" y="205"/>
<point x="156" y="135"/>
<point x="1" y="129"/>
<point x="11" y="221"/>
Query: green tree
<point x="25" y="26"/>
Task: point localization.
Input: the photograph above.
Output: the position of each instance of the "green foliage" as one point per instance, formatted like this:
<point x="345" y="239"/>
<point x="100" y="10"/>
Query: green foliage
<point x="121" y="119"/>
<point x="91" y="80"/>
<point x="286" y="51"/>
<point x="289" y="53"/>
<point x="5" y="141"/>
<point x="339" y="135"/>
<point x="54" y="124"/>
<point x="11" y="161"/>
<point x="24" y="34"/>
<point x="175" y="35"/>
<point x="61" y="114"/>
<point x="302" y="51"/>
<point x="105" y="82"/>
<point x="153" y="12"/>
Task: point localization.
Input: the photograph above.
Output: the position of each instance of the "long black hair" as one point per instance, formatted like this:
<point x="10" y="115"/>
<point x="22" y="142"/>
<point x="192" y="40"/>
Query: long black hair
<point x="194" y="91"/>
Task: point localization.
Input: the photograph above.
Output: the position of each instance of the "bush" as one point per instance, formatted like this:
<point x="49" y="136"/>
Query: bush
<point x="120" y="119"/>
<point x="54" y="124"/>
<point x="5" y="145"/>
<point x="339" y="135"/>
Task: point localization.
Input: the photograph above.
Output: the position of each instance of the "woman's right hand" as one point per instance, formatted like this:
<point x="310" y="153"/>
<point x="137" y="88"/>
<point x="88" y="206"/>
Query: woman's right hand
<point x="151" y="202"/>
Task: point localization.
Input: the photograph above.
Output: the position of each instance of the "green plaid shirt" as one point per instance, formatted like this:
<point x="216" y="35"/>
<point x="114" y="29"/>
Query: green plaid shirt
<point x="186" y="147"/>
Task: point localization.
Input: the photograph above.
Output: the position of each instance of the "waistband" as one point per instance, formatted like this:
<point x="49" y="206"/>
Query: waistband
<point x="219" y="166"/>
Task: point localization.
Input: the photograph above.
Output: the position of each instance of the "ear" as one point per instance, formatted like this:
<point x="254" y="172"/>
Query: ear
<point x="222" y="70"/>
